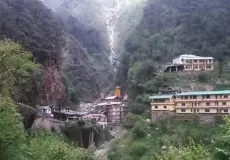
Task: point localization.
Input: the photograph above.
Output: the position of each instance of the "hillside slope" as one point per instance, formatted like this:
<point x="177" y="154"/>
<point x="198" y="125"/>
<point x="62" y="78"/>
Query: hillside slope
<point x="43" y="33"/>
<point x="171" y="28"/>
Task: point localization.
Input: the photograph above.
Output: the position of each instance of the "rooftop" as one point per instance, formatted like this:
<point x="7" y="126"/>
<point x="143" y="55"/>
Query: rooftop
<point x="163" y="96"/>
<point x="44" y="107"/>
<point x="190" y="56"/>
<point x="109" y="98"/>
<point x="95" y="115"/>
<point x="203" y="93"/>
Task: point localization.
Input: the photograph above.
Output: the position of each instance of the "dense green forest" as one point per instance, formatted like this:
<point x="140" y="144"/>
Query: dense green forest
<point x="171" y="140"/>
<point x="170" y="28"/>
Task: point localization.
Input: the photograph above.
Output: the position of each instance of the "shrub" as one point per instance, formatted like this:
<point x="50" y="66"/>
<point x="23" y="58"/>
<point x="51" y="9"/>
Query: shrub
<point x="139" y="130"/>
<point x="203" y="77"/>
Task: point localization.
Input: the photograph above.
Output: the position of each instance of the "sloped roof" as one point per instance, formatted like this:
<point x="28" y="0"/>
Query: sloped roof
<point x="190" y="56"/>
<point x="163" y="96"/>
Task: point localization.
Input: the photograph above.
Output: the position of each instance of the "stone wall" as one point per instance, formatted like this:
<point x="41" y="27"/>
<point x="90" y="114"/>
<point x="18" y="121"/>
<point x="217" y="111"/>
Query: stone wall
<point x="212" y="119"/>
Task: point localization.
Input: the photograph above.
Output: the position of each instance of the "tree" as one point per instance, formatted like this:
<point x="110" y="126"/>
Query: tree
<point x="12" y="137"/>
<point x="16" y="65"/>
<point x="52" y="147"/>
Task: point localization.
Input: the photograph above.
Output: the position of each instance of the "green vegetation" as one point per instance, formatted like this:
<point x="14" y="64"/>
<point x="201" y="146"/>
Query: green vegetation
<point x="15" y="144"/>
<point x="172" y="140"/>
<point x="16" y="64"/>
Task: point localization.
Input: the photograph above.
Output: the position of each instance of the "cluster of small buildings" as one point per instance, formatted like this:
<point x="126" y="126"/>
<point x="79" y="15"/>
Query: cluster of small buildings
<point x="109" y="110"/>
<point x="190" y="63"/>
<point x="202" y="102"/>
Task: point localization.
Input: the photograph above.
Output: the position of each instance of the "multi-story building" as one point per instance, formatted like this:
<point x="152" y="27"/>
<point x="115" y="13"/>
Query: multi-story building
<point x="203" y="102"/>
<point x="194" y="63"/>
<point x="188" y="62"/>
<point x="113" y="107"/>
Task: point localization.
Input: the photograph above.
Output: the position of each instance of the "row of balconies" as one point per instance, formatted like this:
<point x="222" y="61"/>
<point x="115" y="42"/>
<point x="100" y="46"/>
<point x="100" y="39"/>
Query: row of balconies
<point x="193" y="100"/>
<point x="198" y="62"/>
<point x="202" y="99"/>
<point x="211" y="106"/>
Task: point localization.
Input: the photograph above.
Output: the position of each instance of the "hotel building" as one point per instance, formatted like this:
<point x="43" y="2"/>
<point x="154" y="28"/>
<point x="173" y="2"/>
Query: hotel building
<point x="204" y="102"/>
<point x="189" y="62"/>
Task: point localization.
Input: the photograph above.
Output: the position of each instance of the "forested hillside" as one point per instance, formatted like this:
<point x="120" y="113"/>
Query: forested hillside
<point x="172" y="139"/>
<point x="63" y="59"/>
<point x="170" y="28"/>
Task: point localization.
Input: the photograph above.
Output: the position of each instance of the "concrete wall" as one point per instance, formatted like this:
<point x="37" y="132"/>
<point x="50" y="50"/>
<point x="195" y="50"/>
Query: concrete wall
<point x="159" y="115"/>
<point x="162" y="107"/>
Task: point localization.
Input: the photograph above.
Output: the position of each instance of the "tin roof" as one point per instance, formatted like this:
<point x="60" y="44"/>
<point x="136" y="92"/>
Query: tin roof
<point x="165" y="96"/>
<point x="190" y="56"/>
<point x="203" y="93"/>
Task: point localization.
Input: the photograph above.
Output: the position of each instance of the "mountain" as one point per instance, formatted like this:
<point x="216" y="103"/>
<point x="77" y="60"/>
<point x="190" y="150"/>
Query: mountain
<point x="113" y="20"/>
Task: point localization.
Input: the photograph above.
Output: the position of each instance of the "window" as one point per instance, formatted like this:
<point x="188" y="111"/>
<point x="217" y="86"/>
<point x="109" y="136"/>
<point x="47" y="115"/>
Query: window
<point x="165" y="107"/>
<point x="216" y="103"/>
<point x="207" y="104"/>
<point x="194" y="97"/>
<point x="225" y="110"/>
<point x="191" y="110"/>
<point x="195" y="61"/>
<point x="203" y="97"/>
<point x="216" y="96"/>
<point x="197" y="110"/>
<point x="182" y="110"/>
<point x="156" y="107"/>
<point x="186" y="97"/>
<point x="208" y="96"/>
<point x="207" y="110"/>
<point x="210" y="60"/>
<point x="225" y="96"/>
<point x="223" y="103"/>
<point x="183" y="104"/>
<point x="182" y="97"/>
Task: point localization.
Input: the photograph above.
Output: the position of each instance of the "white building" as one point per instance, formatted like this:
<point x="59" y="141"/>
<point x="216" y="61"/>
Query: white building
<point x="189" y="62"/>
<point x="45" y="110"/>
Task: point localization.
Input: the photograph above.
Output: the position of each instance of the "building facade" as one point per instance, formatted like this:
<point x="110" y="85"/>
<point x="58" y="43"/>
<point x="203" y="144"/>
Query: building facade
<point x="195" y="63"/>
<point x="190" y="63"/>
<point x="204" y="102"/>
<point x="113" y="107"/>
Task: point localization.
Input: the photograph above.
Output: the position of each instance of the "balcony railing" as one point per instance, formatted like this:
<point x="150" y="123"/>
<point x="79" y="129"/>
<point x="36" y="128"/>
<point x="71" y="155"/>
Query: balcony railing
<point x="204" y="107"/>
<point x="202" y="99"/>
